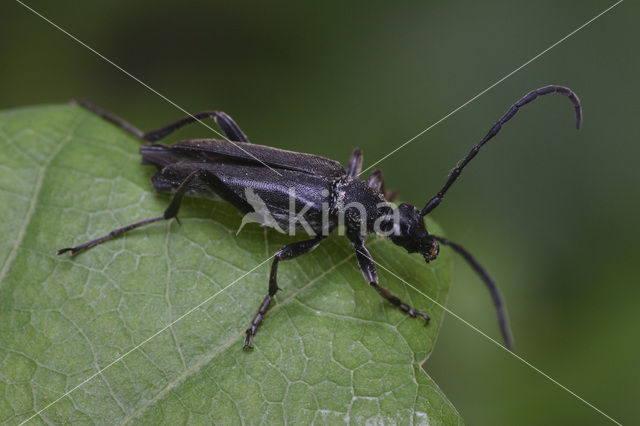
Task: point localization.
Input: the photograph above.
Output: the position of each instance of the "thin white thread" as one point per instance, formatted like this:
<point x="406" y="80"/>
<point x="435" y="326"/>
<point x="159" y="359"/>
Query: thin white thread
<point x="482" y="333"/>
<point x="145" y="341"/>
<point x="493" y="85"/>
<point x="145" y="85"/>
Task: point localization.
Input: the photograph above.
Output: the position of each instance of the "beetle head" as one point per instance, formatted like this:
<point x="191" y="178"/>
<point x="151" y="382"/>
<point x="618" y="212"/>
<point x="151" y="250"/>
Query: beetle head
<point x="410" y="232"/>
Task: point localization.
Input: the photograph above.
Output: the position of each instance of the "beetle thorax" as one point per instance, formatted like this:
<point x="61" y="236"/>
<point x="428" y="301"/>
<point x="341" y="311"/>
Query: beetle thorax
<point x="357" y="206"/>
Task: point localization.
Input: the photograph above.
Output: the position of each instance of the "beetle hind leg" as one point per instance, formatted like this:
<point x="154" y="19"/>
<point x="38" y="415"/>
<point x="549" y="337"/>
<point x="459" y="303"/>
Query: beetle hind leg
<point x="208" y="178"/>
<point x="112" y="118"/>
<point x="229" y="127"/>
<point x="82" y="247"/>
<point x="170" y="212"/>
<point x="231" y="130"/>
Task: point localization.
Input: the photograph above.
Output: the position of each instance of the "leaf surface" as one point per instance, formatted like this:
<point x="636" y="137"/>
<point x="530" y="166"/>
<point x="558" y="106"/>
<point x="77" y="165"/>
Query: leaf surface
<point x="331" y="350"/>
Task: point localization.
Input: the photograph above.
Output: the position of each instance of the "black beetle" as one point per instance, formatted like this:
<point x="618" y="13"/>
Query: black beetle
<point x="237" y="171"/>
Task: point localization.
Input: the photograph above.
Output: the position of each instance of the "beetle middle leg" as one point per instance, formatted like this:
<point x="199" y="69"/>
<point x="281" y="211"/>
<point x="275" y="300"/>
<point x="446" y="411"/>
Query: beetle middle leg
<point x="226" y="123"/>
<point x="368" y="268"/>
<point x="355" y="163"/>
<point x="287" y="252"/>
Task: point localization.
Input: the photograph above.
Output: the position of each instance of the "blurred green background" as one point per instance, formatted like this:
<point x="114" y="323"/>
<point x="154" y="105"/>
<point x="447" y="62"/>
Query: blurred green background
<point x="552" y="213"/>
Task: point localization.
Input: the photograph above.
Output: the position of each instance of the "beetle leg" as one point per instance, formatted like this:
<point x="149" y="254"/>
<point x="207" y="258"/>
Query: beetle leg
<point x="287" y="252"/>
<point x="355" y="163"/>
<point x="110" y="117"/>
<point x="368" y="268"/>
<point x="212" y="181"/>
<point x="110" y="235"/>
<point x="171" y="211"/>
<point x="377" y="183"/>
<point x="375" y="180"/>
<point x="226" y="123"/>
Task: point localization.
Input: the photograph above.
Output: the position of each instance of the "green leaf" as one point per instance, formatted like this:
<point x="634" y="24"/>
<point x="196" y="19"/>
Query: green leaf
<point x="331" y="350"/>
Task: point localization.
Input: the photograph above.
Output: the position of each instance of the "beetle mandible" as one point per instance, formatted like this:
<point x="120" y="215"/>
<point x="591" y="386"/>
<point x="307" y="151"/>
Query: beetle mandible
<point x="228" y="168"/>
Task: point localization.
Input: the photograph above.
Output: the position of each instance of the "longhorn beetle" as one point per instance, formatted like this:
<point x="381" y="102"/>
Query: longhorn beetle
<point x="232" y="169"/>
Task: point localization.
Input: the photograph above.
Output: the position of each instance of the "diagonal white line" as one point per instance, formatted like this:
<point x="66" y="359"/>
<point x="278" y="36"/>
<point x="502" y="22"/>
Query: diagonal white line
<point x="144" y="84"/>
<point x="473" y="327"/>
<point x="147" y="339"/>
<point x="493" y="85"/>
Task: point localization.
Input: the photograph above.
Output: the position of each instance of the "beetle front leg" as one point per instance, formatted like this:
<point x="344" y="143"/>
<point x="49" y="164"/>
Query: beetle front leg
<point x="377" y="183"/>
<point x="368" y="268"/>
<point x="287" y="252"/>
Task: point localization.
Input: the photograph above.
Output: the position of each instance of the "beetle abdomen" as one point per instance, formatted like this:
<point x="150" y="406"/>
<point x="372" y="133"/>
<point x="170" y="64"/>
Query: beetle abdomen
<point x="295" y="200"/>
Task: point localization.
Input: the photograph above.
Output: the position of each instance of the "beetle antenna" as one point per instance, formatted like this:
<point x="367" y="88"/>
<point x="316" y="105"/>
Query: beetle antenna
<point x="491" y="285"/>
<point x="529" y="97"/>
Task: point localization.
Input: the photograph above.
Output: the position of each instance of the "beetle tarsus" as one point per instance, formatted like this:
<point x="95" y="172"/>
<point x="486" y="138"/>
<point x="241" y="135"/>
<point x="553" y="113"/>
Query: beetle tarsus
<point x="395" y="301"/>
<point x="257" y="320"/>
<point x="110" y="117"/>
